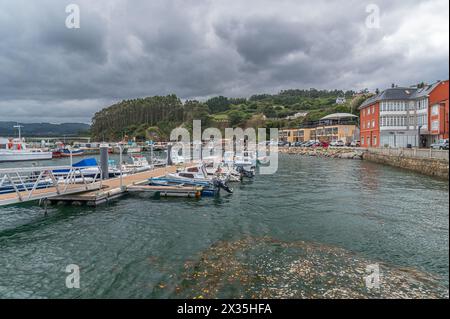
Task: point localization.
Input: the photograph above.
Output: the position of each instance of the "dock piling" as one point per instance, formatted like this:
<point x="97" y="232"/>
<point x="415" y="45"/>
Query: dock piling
<point x="104" y="158"/>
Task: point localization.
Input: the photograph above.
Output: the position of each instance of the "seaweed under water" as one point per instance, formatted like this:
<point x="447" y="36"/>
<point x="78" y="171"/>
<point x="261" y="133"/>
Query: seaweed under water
<point x="268" y="268"/>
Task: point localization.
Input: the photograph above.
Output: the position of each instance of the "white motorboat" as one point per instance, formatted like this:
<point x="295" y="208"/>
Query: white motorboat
<point x="177" y="159"/>
<point x="140" y="164"/>
<point x="223" y="170"/>
<point x="192" y="174"/>
<point x="15" y="150"/>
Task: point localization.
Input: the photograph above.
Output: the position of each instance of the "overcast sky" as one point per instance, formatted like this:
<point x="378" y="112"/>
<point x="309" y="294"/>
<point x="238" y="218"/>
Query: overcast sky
<point x="198" y="48"/>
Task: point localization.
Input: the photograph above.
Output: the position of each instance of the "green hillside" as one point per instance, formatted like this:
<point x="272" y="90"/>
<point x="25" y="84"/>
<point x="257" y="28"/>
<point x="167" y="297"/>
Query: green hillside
<point x="155" y="117"/>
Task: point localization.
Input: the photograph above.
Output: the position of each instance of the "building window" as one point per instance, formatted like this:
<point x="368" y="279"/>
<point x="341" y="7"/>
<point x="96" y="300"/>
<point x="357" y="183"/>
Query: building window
<point x="362" y="140"/>
<point x="435" y="126"/>
<point x="373" y="124"/>
<point x="374" y="140"/>
<point x="435" y="110"/>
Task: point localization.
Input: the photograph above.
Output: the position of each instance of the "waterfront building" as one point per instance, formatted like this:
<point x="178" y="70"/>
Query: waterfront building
<point x="287" y="135"/>
<point x="402" y="117"/>
<point x="331" y="128"/>
<point x="438" y="119"/>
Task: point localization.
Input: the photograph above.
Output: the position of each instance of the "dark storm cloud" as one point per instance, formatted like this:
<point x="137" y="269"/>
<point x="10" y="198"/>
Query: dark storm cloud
<point x="197" y="49"/>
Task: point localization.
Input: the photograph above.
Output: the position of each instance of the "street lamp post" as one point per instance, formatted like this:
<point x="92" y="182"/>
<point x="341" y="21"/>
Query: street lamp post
<point x="418" y="137"/>
<point x="120" y="165"/>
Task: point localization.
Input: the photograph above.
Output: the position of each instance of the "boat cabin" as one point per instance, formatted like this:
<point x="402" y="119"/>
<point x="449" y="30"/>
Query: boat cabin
<point x="11" y="144"/>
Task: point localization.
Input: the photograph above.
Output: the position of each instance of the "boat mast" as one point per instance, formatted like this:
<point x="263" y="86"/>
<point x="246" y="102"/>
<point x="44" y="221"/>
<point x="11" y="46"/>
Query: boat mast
<point x="19" y="127"/>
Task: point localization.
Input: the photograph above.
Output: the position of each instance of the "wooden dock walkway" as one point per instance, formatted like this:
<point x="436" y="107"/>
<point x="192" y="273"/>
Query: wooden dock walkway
<point x="93" y="193"/>
<point x="111" y="188"/>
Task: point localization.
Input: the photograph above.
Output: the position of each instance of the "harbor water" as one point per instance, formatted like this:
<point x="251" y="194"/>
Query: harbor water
<point x="307" y="231"/>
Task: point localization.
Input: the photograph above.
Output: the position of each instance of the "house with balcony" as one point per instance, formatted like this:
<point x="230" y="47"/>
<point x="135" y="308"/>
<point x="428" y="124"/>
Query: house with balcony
<point x="403" y="117"/>
<point x="331" y="128"/>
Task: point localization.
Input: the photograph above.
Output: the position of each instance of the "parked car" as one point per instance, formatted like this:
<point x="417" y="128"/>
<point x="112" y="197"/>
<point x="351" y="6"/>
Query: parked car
<point x="441" y="145"/>
<point x="309" y="144"/>
<point x="355" y="144"/>
<point x="320" y="144"/>
<point x="339" y="143"/>
<point x="298" y="144"/>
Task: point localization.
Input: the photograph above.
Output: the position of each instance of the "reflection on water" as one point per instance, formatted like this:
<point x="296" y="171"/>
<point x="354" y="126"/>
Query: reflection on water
<point x="307" y="231"/>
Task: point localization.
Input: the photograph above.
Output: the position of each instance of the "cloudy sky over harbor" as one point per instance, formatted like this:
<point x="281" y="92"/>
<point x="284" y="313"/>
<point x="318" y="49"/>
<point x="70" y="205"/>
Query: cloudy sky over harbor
<point x="198" y="48"/>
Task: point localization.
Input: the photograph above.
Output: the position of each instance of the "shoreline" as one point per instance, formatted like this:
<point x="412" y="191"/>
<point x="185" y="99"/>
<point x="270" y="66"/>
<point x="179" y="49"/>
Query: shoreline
<point x="433" y="167"/>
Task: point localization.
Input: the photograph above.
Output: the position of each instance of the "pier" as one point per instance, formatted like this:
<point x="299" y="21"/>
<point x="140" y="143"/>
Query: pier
<point x="33" y="184"/>
<point x="112" y="188"/>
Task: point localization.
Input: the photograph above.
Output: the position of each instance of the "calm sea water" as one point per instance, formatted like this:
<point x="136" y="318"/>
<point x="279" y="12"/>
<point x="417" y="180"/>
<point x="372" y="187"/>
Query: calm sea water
<point x="139" y="247"/>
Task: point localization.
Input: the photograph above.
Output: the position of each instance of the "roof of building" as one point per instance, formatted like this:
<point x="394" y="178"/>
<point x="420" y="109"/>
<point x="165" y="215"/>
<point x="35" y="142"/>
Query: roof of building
<point x="401" y="93"/>
<point x="338" y="116"/>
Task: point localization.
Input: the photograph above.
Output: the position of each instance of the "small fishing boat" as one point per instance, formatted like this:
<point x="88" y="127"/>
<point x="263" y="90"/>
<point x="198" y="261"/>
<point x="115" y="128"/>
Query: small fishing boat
<point x="156" y="162"/>
<point x="133" y="149"/>
<point x="177" y="159"/>
<point x="88" y="168"/>
<point x="191" y="174"/>
<point x="245" y="164"/>
<point x="209" y="189"/>
<point x="195" y="176"/>
<point x="168" y="191"/>
<point x="67" y="152"/>
<point x="223" y="170"/>
<point x="139" y="164"/>
<point x="56" y="154"/>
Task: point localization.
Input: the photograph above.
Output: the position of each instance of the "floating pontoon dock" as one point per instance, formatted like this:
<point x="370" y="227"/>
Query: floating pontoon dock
<point x="111" y="188"/>
<point x="89" y="191"/>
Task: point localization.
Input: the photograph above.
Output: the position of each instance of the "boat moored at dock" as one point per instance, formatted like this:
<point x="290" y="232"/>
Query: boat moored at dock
<point x="15" y="150"/>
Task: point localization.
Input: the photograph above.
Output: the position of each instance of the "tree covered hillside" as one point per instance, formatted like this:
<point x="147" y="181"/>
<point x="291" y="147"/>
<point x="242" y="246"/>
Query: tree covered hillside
<point x="155" y="117"/>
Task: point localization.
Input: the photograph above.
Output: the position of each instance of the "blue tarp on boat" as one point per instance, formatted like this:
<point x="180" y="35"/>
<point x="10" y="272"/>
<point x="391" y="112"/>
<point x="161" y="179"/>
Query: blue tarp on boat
<point x="87" y="162"/>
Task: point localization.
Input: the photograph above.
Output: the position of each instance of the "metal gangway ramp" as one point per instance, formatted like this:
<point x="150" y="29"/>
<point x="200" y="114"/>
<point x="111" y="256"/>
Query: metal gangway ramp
<point x="20" y="185"/>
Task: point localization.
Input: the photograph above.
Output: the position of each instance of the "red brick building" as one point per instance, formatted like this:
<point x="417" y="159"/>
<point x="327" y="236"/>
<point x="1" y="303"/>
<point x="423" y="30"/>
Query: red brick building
<point x="438" y="119"/>
<point x="369" y="125"/>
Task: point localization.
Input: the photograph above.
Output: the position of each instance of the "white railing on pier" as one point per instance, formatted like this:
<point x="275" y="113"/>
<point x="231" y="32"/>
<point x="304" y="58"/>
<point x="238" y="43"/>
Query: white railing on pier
<point x="412" y="153"/>
<point x="34" y="183"/>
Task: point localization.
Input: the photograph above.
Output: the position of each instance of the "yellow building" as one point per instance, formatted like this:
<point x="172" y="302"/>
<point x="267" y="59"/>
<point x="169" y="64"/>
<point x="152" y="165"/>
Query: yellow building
<point x="345" y="133"/>
<point x="287" y="135"/>
<point x="332" y="128"/>
<point x="304" y="134"/>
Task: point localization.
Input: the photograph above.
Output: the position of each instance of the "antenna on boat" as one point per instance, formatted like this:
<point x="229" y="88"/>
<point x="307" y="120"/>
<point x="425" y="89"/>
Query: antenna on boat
<point x="19" y="127"/>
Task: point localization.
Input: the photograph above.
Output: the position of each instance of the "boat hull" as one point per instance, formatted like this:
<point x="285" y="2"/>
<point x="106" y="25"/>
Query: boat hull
<point x="20" y="156"/>
<point x="66" y="153"/>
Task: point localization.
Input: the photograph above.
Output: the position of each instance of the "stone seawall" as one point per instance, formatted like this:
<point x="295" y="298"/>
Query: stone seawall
<point x="428" y="166"/>
<point x="344" y="153"/>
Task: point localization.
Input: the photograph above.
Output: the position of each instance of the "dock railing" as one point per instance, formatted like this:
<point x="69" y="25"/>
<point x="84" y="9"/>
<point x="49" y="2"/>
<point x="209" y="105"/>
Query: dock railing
<point x="412" y="153"/>
<point x="34" y="183"/>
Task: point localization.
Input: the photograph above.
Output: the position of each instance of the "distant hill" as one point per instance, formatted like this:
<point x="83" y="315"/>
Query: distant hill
<point x="44" y="129"/>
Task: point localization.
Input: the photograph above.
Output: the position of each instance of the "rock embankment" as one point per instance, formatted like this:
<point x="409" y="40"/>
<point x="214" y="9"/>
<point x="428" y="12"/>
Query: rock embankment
<point x="343" y="153"/>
